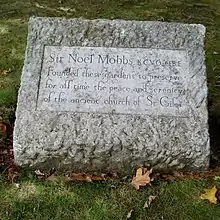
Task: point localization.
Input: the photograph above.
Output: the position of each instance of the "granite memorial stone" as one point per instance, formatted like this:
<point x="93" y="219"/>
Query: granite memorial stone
<point x="112" y="95"/>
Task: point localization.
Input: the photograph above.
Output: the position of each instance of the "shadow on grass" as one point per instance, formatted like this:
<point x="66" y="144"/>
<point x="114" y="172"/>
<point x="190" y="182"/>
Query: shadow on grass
<point x="107" y="200"/>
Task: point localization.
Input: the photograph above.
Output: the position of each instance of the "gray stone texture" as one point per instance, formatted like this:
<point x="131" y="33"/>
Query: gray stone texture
<point x="112" y="142"/>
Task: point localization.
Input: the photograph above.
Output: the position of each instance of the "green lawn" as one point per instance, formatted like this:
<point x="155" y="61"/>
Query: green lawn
<point x="108" y="200"/>
<point x="177" y="200"/>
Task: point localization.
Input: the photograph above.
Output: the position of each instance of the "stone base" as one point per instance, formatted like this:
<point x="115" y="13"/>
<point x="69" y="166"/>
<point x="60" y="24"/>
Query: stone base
<point x="112" y="142"/>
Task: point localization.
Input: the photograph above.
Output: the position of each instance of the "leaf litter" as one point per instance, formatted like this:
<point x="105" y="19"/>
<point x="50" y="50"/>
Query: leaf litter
<point x="3" y="128"/>
<point x="89" y="178"/>
<point x="75" y="176"/>
<point x="142" y="178"/>
<point x="11" y="172"/>
<point x="177" y="175"/>
<point x="210" y="195"/>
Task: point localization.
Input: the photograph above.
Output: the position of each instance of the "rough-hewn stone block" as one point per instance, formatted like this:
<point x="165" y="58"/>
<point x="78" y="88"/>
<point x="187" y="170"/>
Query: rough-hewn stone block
<point x="112" y="95"/>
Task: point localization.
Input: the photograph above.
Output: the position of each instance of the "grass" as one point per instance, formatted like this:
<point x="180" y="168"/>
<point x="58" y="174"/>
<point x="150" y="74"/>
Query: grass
<point x="111" y="200"/>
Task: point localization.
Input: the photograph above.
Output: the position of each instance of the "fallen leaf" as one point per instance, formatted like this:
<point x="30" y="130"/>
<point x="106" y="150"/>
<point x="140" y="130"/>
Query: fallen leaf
<point x="174" y="175"/>
<point x="12" y="174"/>
<point x="3" y="128"/>
<point x="80" y="177"/>
<point x="210" y="195"/>
<point x="129" y="214"/>
<point x="90" y="178"/>
<point x="39" y="175"/>
<point x="98" y="178"/>
<point x="142" y="178"/>
<point x="149" y="201"/>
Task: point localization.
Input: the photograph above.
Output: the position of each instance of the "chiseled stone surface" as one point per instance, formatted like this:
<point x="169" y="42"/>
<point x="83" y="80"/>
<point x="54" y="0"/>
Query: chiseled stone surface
<point x="85" y="105"/>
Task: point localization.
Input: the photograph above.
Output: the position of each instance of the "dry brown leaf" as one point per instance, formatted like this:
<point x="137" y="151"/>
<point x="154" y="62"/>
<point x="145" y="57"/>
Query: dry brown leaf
<point x="98" y="178"/>
<point x="12" y="174"/>
<point x="89" y="178"/>
<point x="175" y="175"/>
<point x="39" y="173"/>
<point x="149" y="201"/>
<point x="3" y="128"/>
<point x="80" y="177"/>
<point x="142" y="178"/>
<point x="210" y="195"/>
